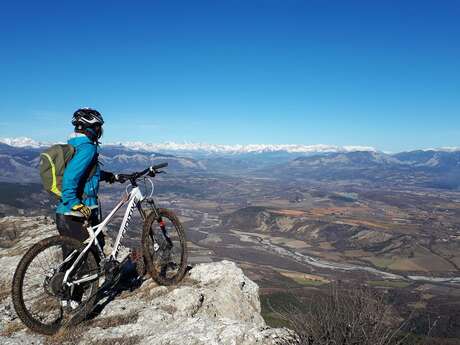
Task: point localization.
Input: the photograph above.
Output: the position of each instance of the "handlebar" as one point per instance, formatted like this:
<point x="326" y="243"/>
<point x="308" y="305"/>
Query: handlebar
<point x="159" y="166"/>
<point x="152" y="171"/>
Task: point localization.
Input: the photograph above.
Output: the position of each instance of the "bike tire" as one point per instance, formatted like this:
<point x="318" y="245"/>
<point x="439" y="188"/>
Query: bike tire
<point x="18" y="283"/>
<point x="149" y="254"/>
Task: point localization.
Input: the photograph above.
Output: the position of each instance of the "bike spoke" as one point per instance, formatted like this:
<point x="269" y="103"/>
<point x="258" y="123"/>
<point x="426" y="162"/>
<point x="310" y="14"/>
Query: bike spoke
<point x="41" y="305"/>
<point x="38" y="297"/>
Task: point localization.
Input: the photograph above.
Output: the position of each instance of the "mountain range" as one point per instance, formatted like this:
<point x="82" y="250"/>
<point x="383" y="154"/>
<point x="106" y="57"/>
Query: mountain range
<point x="203" y="148"/>
<point x="20" y="163"/>
<point x="430" y="167"/>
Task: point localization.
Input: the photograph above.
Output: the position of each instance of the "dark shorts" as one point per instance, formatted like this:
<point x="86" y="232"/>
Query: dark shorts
<point x="72" y="226"/>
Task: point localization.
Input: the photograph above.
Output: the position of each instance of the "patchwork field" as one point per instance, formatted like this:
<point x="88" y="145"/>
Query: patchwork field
<point x="296" y="238"/>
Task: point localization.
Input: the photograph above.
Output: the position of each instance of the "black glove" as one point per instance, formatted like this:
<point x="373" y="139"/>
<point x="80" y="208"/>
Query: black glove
<point x="120" y="178"/>
<point x="108" y="176"/>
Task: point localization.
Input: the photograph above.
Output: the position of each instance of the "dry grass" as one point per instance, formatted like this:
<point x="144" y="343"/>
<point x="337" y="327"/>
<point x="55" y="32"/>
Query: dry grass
<point x="11" y="328"/>
<point x="119" y="341"/>
<point x="16" y="251"/>
<point x="346" y="317"/>
<point x="5" y="290"/>
<point x="113" y="321"/>
<point x="66" y="336"/>
<point x="73" y="335"/>
<point x="9" y="236"/>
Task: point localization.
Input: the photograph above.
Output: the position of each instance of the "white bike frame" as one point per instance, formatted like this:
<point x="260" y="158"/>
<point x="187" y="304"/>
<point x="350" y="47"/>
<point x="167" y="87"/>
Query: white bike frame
<point x="133" y="198"/>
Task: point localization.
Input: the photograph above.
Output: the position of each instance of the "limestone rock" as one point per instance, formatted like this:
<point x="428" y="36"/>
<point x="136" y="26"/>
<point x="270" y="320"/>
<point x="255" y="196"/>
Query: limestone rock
<point x="214" y="304"/>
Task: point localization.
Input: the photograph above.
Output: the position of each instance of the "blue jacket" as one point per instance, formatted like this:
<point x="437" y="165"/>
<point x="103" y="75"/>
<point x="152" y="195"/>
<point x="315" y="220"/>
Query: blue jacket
<point x="76" y="186"/>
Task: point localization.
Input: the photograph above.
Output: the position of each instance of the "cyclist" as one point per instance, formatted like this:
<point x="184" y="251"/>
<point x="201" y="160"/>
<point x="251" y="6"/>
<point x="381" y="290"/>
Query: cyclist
<point x="80" y="183"/>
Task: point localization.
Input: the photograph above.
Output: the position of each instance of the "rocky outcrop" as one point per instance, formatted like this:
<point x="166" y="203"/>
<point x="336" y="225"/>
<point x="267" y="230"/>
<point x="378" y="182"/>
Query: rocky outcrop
<point x="214" y="304"/>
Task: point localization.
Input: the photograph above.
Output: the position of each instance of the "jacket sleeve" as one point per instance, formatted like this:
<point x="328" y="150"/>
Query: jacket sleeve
<point x="74" y="171"/>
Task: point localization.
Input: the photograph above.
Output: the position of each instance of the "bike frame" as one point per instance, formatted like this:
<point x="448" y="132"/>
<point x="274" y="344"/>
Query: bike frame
<point x="133" y="200"/>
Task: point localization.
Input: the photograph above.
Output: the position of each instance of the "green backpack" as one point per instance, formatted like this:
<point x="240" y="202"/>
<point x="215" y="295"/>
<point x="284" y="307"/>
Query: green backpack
<point x="53" y="162"/>
<point x="52" y="165"/>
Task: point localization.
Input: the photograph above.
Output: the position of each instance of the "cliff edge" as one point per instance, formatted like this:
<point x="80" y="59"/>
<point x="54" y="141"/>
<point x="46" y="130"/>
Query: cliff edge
<point x="214" y="304"/>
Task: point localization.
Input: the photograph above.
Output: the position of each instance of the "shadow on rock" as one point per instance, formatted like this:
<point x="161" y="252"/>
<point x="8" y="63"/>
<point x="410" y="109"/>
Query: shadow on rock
<point x="129" y="280"/>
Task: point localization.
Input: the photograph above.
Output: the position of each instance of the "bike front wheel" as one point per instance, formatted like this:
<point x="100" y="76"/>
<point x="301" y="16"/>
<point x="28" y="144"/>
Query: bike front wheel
<point x="164" y="247"/>
<point x="37" y="289"/>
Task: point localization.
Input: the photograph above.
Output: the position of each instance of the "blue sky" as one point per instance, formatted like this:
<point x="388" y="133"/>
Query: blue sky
<point x="379" y="73"/>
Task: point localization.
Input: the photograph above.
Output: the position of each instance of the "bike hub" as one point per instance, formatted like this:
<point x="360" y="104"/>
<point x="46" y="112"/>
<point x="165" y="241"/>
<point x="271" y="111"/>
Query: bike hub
<point x="54" y="286"/>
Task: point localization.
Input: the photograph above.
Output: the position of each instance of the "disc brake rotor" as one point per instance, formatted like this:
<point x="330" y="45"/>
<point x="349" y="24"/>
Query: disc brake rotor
<point x="53" y="286"/>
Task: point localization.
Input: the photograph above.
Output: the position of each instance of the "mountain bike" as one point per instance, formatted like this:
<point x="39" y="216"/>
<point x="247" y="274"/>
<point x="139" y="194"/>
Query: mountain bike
<point x="59" y="275"/>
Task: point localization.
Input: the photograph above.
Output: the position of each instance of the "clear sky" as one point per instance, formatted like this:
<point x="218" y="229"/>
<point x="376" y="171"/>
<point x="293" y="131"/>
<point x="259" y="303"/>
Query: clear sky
<point x="378" y="73"/>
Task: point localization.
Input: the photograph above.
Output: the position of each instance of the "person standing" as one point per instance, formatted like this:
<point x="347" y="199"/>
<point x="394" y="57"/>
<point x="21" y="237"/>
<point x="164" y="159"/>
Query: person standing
<point x="80" y="182"/>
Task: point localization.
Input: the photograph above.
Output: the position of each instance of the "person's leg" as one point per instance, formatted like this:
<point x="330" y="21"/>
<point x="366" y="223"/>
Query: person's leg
<point x="68" y="226"/>
<point x="71" y="227"/>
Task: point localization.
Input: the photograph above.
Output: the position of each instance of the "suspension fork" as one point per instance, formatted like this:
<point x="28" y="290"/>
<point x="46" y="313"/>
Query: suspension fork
<point x="158" y="218"/>
<point x="153" y="207"/>
<point x="160" y="221"/>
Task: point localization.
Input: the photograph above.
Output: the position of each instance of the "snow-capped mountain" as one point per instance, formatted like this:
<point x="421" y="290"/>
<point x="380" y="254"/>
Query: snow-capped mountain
<point x="444" y="149"/>
<point x="241" y="149"/>
<point x="206" y="148"/>
<point x="439" y="168"/>
<point x="23" y="142"/>
<point x="222" y="149"/>
<point x="20" y="163"/>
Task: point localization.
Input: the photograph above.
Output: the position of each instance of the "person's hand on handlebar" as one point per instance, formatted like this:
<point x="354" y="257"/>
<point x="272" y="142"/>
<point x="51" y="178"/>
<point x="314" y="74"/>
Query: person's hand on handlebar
<point x="151" y="171"/>
<point x="120" y="178"/>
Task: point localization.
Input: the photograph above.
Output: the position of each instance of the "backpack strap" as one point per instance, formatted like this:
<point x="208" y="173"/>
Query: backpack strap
<point x="95" y="164"/>
<point x="53" y="188"/>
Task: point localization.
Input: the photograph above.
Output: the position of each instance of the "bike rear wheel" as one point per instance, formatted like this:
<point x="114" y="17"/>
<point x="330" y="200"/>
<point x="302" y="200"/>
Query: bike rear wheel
<point x="164" y="247"/>
<point x="37" y="289"/>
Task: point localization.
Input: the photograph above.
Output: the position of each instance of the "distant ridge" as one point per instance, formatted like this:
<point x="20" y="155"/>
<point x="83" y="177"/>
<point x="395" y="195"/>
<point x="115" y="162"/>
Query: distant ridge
<point x="428" y="168"/>
<point x="205" y="148"/>
<point x="241" y="149"/>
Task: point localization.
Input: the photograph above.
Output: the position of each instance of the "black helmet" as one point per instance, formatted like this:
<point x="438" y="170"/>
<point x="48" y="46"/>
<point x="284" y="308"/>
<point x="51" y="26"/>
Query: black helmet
<point x="87" y="117"/>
